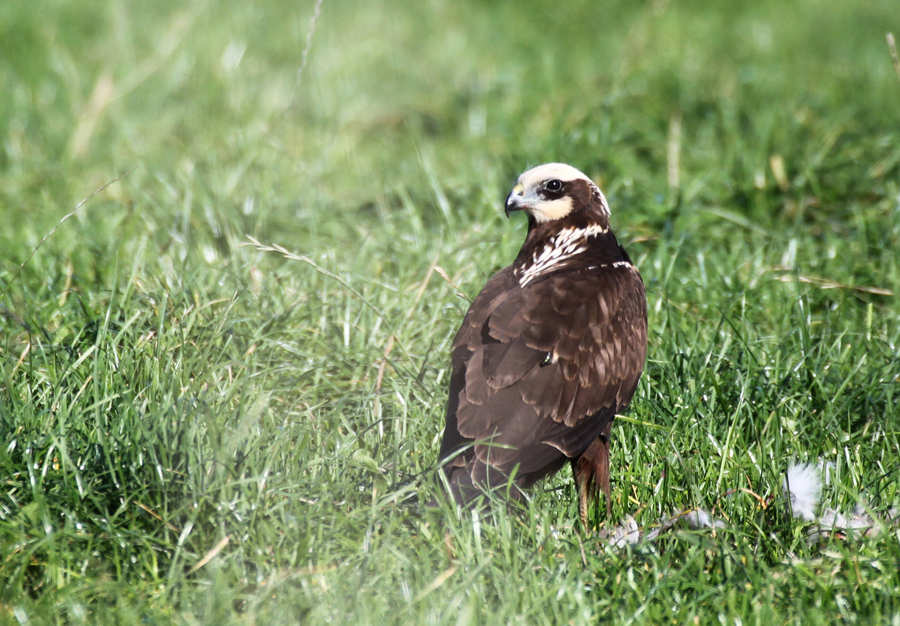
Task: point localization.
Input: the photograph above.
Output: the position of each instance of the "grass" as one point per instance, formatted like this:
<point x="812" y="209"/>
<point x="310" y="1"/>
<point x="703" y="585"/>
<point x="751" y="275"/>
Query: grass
<point x="197" y="430"/>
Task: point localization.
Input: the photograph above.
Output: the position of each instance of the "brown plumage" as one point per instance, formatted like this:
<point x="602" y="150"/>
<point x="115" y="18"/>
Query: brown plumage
<point x="550" y="350"/>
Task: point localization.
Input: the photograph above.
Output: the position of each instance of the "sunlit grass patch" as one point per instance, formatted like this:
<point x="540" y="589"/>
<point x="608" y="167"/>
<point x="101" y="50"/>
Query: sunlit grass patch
<point x="197" y="430"/>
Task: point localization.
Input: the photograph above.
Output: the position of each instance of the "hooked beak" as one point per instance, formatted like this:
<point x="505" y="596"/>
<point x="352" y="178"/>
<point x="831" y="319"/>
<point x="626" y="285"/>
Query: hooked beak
<point x="515" y="201"/>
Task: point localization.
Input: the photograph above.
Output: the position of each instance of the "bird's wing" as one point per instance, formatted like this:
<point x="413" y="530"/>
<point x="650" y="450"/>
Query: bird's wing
<point x="531" y="362"/>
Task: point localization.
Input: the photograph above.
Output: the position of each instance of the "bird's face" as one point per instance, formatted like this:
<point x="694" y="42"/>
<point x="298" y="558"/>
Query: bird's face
<point x="553" y="191"/>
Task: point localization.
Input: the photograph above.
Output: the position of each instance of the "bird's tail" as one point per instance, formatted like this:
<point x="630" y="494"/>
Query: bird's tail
<point x="468" y="484"/>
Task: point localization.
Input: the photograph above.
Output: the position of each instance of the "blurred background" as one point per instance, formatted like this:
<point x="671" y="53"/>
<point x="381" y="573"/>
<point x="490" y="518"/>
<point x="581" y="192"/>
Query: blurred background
<point x="398" y="97"/>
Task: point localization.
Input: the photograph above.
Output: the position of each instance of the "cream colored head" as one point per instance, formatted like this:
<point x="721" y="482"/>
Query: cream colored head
<point x="554" y="190"/>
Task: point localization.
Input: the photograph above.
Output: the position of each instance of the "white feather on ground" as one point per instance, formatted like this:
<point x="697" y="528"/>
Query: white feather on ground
<point x="699" y="519"/>
<point x="803" y="486"/>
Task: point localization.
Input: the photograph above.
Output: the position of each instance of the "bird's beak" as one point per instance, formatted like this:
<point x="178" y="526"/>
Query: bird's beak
<point x="515" y="201"/>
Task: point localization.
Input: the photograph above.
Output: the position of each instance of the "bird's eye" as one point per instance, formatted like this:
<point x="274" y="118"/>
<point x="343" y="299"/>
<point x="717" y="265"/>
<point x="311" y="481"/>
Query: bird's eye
<point x="553" y="185"/>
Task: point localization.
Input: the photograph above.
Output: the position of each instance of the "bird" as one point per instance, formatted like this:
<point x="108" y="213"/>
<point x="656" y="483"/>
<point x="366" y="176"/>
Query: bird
<point x="550" y="350"/>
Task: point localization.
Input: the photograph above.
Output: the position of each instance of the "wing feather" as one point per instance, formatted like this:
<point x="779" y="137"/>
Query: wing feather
<point x="539" y="370"/>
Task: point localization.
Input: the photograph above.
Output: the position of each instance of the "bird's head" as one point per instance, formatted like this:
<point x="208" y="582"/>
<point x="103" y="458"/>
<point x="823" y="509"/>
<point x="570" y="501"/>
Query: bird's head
<point x="555" y="190"/>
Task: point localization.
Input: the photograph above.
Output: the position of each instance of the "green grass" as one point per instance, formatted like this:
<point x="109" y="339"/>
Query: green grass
<point x="164" y="385"/>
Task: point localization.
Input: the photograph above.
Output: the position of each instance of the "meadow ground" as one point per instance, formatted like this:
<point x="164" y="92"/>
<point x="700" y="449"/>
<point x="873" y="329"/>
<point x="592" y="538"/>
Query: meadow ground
<point x="196" y="430"/>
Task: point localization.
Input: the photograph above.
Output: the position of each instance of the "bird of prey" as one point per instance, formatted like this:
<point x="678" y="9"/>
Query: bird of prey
<point x="549" y="351"/>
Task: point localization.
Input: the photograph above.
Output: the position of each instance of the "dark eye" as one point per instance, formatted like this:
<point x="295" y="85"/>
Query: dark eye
<point x="553" y="185"/>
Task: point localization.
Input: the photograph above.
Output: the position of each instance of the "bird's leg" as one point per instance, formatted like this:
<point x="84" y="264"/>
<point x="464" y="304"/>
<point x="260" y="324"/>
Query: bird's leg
<point x="582" y="483"/>
<point x="591" y="472"/>
<point x="602" y="471"/>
